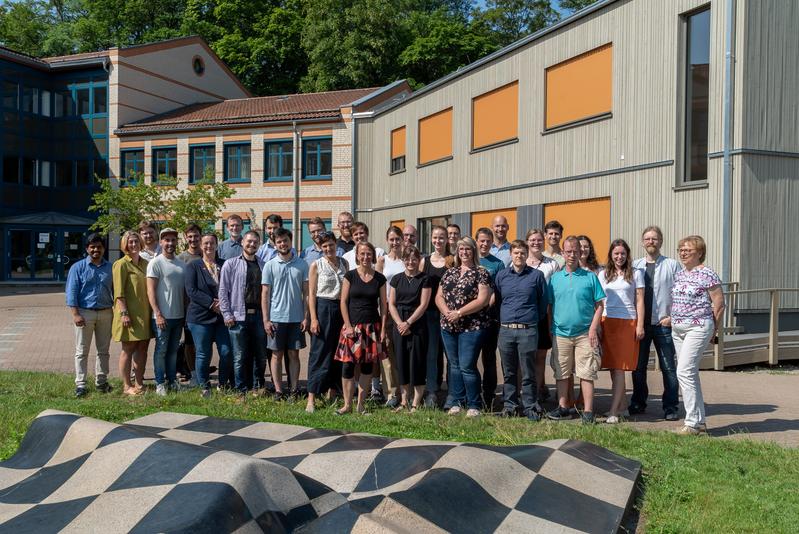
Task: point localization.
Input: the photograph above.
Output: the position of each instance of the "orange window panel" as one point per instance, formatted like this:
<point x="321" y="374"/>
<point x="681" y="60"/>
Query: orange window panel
<point x="400" y="223"/>
<point x="485" y="219"/>
<point x="495" y="116"/>
<point x="435" y="136"/>
<point x="580" y="88"/>
<point x="584" y="217"/>
<point x="398" y="142"/>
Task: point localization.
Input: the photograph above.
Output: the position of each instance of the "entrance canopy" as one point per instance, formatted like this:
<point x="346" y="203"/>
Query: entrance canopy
<point x="49" y="218"/>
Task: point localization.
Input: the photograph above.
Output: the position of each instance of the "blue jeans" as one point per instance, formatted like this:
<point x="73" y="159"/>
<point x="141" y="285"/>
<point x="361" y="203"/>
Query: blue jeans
<point x="661" y="336"/>
<point x="517" y="349"/>
<point x="463" y="348"/>
<point x="435" y="355"/>
<point x="248" y="342"/>
<point x="165" y="357"/>
<point x="204" y="336"/>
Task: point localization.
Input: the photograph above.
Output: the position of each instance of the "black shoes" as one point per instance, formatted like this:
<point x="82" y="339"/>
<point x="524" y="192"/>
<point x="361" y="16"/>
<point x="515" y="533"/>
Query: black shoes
<point x="507" y="412"/>
<point x="105" y="387"/>
<point x="80" y="392"/>
<point x="559" y="414"/>
<point x="637" y="409"/>
<point x="671" y="415"/>
<point x="587" y="418"/>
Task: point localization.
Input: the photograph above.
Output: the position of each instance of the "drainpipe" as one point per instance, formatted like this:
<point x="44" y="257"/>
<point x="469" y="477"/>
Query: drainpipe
<point x="354" y="169"/>
<point x="295" y="213"/>
<point x="729" y="87"/>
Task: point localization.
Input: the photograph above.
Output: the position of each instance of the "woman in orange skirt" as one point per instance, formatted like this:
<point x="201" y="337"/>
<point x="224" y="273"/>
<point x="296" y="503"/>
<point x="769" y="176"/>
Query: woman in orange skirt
<point x="622" y="321"/>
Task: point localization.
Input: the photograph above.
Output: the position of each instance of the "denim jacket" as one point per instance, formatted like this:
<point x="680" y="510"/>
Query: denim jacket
<point x="665" y="269"/>
<point x="232" y="285"/>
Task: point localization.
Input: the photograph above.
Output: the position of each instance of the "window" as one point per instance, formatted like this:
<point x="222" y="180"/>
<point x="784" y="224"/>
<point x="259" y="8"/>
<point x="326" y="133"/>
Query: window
<point x="495" y="116"/>
<point x="46" y="103"/>
<point x="203" y="163"/>
<point x="279" y="161"/>
<point x="435" y="137"/>
<point x="318" y="159"/>
<point x="30" y="100"/>
<point x="29" y="171"/>
<point x="10" y="95"/>
<point x="63" y="104"/>
<point x="580" y="88"/>
<point x="100" y="95"/>
<point x="425" y="229"/>
<point x="83" y="101"/>
<point x="165" y="163"/>
<point x="44" y="174"/>
<point x="132" y="166"/>
<point x="84" y="173"/>
<point x="398" y="149"/>
<point x="305" y="239"/>
<point x="63" y="174"/>
<point x="237" y="163"/>
<point x="10" y="169"/>
<point x="697" y="90"/>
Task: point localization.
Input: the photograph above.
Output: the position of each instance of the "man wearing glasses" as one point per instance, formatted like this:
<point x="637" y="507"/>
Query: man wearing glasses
<point x="346" y="241"/>
<point x="316" y="227"/>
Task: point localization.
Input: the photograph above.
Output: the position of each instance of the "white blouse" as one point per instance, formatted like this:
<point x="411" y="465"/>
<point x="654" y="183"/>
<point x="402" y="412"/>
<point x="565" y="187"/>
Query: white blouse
<point x="328" y="282"/>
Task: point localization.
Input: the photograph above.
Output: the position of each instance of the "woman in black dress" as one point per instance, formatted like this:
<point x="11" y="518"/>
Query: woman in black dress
<point x="407" y="303"/>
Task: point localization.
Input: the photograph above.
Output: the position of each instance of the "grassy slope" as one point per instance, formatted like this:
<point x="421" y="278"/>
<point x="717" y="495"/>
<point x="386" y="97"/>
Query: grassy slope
<point x="690" y="484"/>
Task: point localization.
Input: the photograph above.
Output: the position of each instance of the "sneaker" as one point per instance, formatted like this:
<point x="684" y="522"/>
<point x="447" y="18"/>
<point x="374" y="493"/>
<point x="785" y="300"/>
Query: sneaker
<point x="507" y="412"/>
<point x="80" y="392"/>
<point x="206" y="393"/>
<point x="587" y="418"/>
<point x="612" y="419"/>
<point x="455" y="410"/>
<point x="472" y="412"/>
<point x="392" y="402"/>
<point x="637" y="409"/>
<point x="533" y="415"/>
<point x="559" y="414"/>
<point x="278" y="396"/>
<point x="160" y="390"/>
<point x="692" y="431"/>
<point x="430" y="400"/>
<point x="105" y="387"/>
<point x="671" y="415"/>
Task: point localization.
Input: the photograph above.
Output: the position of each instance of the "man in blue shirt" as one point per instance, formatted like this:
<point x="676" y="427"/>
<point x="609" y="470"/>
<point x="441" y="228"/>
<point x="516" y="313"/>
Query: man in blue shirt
<point x="576" y="305"/>
<point x="284" y="298"/>
<point x="501" y="247"/>
<point x="267" y="251"/>
<point x="231" y="247"/>
<point x="484" y="238"/>
<point x="316" y="227"/>
<point x="90" y="296"/>
<point x="521" y="294"/>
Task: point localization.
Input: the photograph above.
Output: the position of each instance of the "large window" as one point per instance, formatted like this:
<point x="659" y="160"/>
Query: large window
<point x="203" y="163"/>
<point x="165" y="163"/>
<point x="495" y="116"/>
<point x="435" y="137"/>
<point x="580" y="88"/>
<point x="398" y="149"/>
<point x="10" y="169"/>
<point x="132" y="165"/>
<point x="10" y="95"/>
<point x="63" y="174"/>
<point x="318" y="159"/>
<point x="237" y="163"/>
<point x="697" y="90"/>
<point x="279" y="161"/>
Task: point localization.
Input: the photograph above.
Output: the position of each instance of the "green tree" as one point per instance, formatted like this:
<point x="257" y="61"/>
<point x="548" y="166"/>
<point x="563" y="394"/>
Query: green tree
<point x="510" y="20"/>
<point x="575" y="5"/>
<point x="24" y="25"/>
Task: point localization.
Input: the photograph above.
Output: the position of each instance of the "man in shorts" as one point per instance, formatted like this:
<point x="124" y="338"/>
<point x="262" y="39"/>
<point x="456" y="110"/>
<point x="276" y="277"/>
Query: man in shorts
<point x="575" y="310"/>
<point x="284" y="298"/>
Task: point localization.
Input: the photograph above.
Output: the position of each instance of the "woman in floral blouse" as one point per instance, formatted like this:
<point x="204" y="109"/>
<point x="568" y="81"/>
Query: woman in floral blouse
<point x="462" y="299"/>
<point x="696" y="311"/>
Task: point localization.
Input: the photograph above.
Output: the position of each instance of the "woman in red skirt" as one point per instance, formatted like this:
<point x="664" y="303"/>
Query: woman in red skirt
<point x="622" y="322"/>
<point x="362" y="340"/>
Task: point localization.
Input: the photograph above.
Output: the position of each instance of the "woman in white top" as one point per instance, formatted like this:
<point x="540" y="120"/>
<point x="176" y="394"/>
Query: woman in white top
<point x="622" y="321"/>
<point x="324" y="294"/>
<point x="536" y="259"/>
<point x="390" y="265"/>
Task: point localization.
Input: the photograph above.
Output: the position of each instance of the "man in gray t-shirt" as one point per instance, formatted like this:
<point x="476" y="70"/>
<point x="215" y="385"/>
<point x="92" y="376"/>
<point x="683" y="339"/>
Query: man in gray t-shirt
<point x="165" y="291"/>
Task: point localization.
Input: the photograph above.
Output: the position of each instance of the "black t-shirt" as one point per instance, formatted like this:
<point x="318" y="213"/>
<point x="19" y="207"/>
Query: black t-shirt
<point x="649" y="291"/>
<point x="434" y="275"/>
<point x="345" y="245"/>
<point x="364" y="297"/>
<point x="252" y="289"/>
<point x="408" y="292"/>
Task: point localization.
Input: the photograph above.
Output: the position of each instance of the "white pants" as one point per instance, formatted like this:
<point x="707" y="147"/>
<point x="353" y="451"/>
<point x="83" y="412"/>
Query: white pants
<point x="98" y="324"/>
<point x="690" y="342"/>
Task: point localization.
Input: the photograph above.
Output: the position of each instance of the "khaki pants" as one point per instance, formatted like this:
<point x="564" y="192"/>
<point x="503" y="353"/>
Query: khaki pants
<point x="98" y="324"/>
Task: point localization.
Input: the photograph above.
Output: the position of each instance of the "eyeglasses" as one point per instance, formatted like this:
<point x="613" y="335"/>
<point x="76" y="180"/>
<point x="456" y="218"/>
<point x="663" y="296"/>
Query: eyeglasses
<point x="686" y="250"/>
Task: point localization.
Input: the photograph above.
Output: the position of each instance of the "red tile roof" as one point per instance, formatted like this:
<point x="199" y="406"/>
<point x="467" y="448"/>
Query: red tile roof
<point x="249" y="111"/>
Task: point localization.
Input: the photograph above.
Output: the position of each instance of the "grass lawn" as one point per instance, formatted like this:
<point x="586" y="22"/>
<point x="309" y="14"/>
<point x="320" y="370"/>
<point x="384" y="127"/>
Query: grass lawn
<point x="690" y="484"/>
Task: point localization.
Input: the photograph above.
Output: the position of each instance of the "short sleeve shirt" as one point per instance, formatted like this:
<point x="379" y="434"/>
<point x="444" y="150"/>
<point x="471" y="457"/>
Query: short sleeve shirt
<point x="408" y="292"/>
<point x="285" y="280"/>
<point x="169" y="292"/>
<point x="573" y="296"/>
<point x="458" y="291"/>
<point x="620" y="301"/>
<point x="690" y="295"/>
<point x="493" y="265"/>
<point x="364" y="297"/>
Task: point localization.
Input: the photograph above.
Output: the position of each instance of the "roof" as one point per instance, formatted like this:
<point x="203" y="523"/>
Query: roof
<point x="52" y="218"/>
<point x="75" y="57"/>
<point x="87" y="59"/>
<point x="248" y="111"/>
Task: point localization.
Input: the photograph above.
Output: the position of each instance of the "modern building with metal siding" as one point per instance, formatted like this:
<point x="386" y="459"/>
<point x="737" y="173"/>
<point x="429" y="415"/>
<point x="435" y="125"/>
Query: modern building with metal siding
<point x="633" y="155"/>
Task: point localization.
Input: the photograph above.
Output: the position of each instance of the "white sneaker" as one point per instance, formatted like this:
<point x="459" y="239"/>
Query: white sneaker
<point x="455" y="410"/>
<point x="160" y="390"/>
<point x="472" y="412"/>
<point x="612" y="420"/>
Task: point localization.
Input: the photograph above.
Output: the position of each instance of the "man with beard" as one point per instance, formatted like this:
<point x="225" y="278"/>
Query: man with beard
<point x="316" y="227"/>
<point x="267" y="251"/>
<point x="345" y="241"/>
<point x="151" y="248"/>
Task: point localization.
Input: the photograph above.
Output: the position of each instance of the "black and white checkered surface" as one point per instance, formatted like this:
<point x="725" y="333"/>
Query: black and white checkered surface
<point x="177" y="472"/>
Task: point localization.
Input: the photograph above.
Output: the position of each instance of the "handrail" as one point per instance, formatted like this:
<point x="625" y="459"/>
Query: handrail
<point x="767" y="289"/>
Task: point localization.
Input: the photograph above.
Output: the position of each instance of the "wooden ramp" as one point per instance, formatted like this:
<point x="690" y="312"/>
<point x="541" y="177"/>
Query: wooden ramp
<point x="749" y="349"/>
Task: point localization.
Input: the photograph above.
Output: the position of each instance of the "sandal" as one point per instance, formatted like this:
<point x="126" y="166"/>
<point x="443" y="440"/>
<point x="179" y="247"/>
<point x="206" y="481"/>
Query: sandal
<point x="342" y="411"/>
<point x="400" y="408"/>
<point x="414" y="408"/>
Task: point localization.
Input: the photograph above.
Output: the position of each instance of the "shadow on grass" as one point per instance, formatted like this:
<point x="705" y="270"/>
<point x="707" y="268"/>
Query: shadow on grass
<point x="756" y="427"/>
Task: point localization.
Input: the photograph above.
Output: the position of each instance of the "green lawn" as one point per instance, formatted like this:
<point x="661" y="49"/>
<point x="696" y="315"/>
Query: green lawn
<point x="689" y="485"/>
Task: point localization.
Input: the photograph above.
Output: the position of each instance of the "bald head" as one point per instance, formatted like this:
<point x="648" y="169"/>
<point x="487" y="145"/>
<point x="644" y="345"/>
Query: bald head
<point x="500" y="227"/>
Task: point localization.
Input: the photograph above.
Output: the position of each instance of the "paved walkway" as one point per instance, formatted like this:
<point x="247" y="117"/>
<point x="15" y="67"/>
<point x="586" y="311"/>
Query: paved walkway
<point x="36" y="333"/>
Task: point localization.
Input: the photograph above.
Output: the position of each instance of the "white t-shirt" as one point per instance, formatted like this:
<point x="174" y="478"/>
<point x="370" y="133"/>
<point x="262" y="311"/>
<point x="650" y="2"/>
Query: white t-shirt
<point x="169" y="293"/>
<point x="548" y="267"/>
<point x="620" y="295"/>
<point x="392" y="268"/>
<point x="350" y="256"/>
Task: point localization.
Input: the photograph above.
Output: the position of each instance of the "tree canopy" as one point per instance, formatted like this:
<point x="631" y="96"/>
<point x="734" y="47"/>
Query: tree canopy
<point x="285" y="46"/>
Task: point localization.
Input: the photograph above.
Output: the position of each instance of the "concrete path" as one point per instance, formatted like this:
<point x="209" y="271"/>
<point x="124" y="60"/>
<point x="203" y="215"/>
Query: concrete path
<point x="36" y="333"/>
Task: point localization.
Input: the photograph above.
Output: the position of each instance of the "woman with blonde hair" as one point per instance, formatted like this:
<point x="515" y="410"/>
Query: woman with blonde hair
<point x="131" y="323"/>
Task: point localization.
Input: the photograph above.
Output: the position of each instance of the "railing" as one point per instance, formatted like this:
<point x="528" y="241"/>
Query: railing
<point x="730" y="325"/>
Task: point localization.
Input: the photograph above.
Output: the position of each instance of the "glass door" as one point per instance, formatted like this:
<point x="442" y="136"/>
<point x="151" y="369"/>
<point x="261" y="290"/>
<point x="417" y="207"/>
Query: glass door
<point x="20" y="245"/>
<point x="72" y="251"/>
<point x="44" y="255"/>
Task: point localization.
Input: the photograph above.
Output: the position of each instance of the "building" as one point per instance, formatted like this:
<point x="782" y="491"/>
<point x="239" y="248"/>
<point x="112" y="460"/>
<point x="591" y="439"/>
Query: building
<point x="629" y="113"/>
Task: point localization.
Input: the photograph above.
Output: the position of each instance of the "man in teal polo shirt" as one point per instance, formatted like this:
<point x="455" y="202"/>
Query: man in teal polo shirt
<point x="575" y="304"/>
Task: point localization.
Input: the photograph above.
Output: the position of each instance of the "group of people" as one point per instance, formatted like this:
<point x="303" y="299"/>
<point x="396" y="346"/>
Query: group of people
<point x="381" y="321"/>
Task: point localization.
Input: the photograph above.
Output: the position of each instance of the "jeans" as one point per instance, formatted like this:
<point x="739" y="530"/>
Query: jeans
<point x="165" y="357"/>
<point x="518" y="348"/>
<point x="463" y="348"/>
<point x="488" y="355"/>
<point x="204" y="336"/>
<point x="98" y="324"/>
<point x="661" y="336"/>
<point x="248" y="342"/>
<point x="435" y="355"/>
<point x="690" y="342"/>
